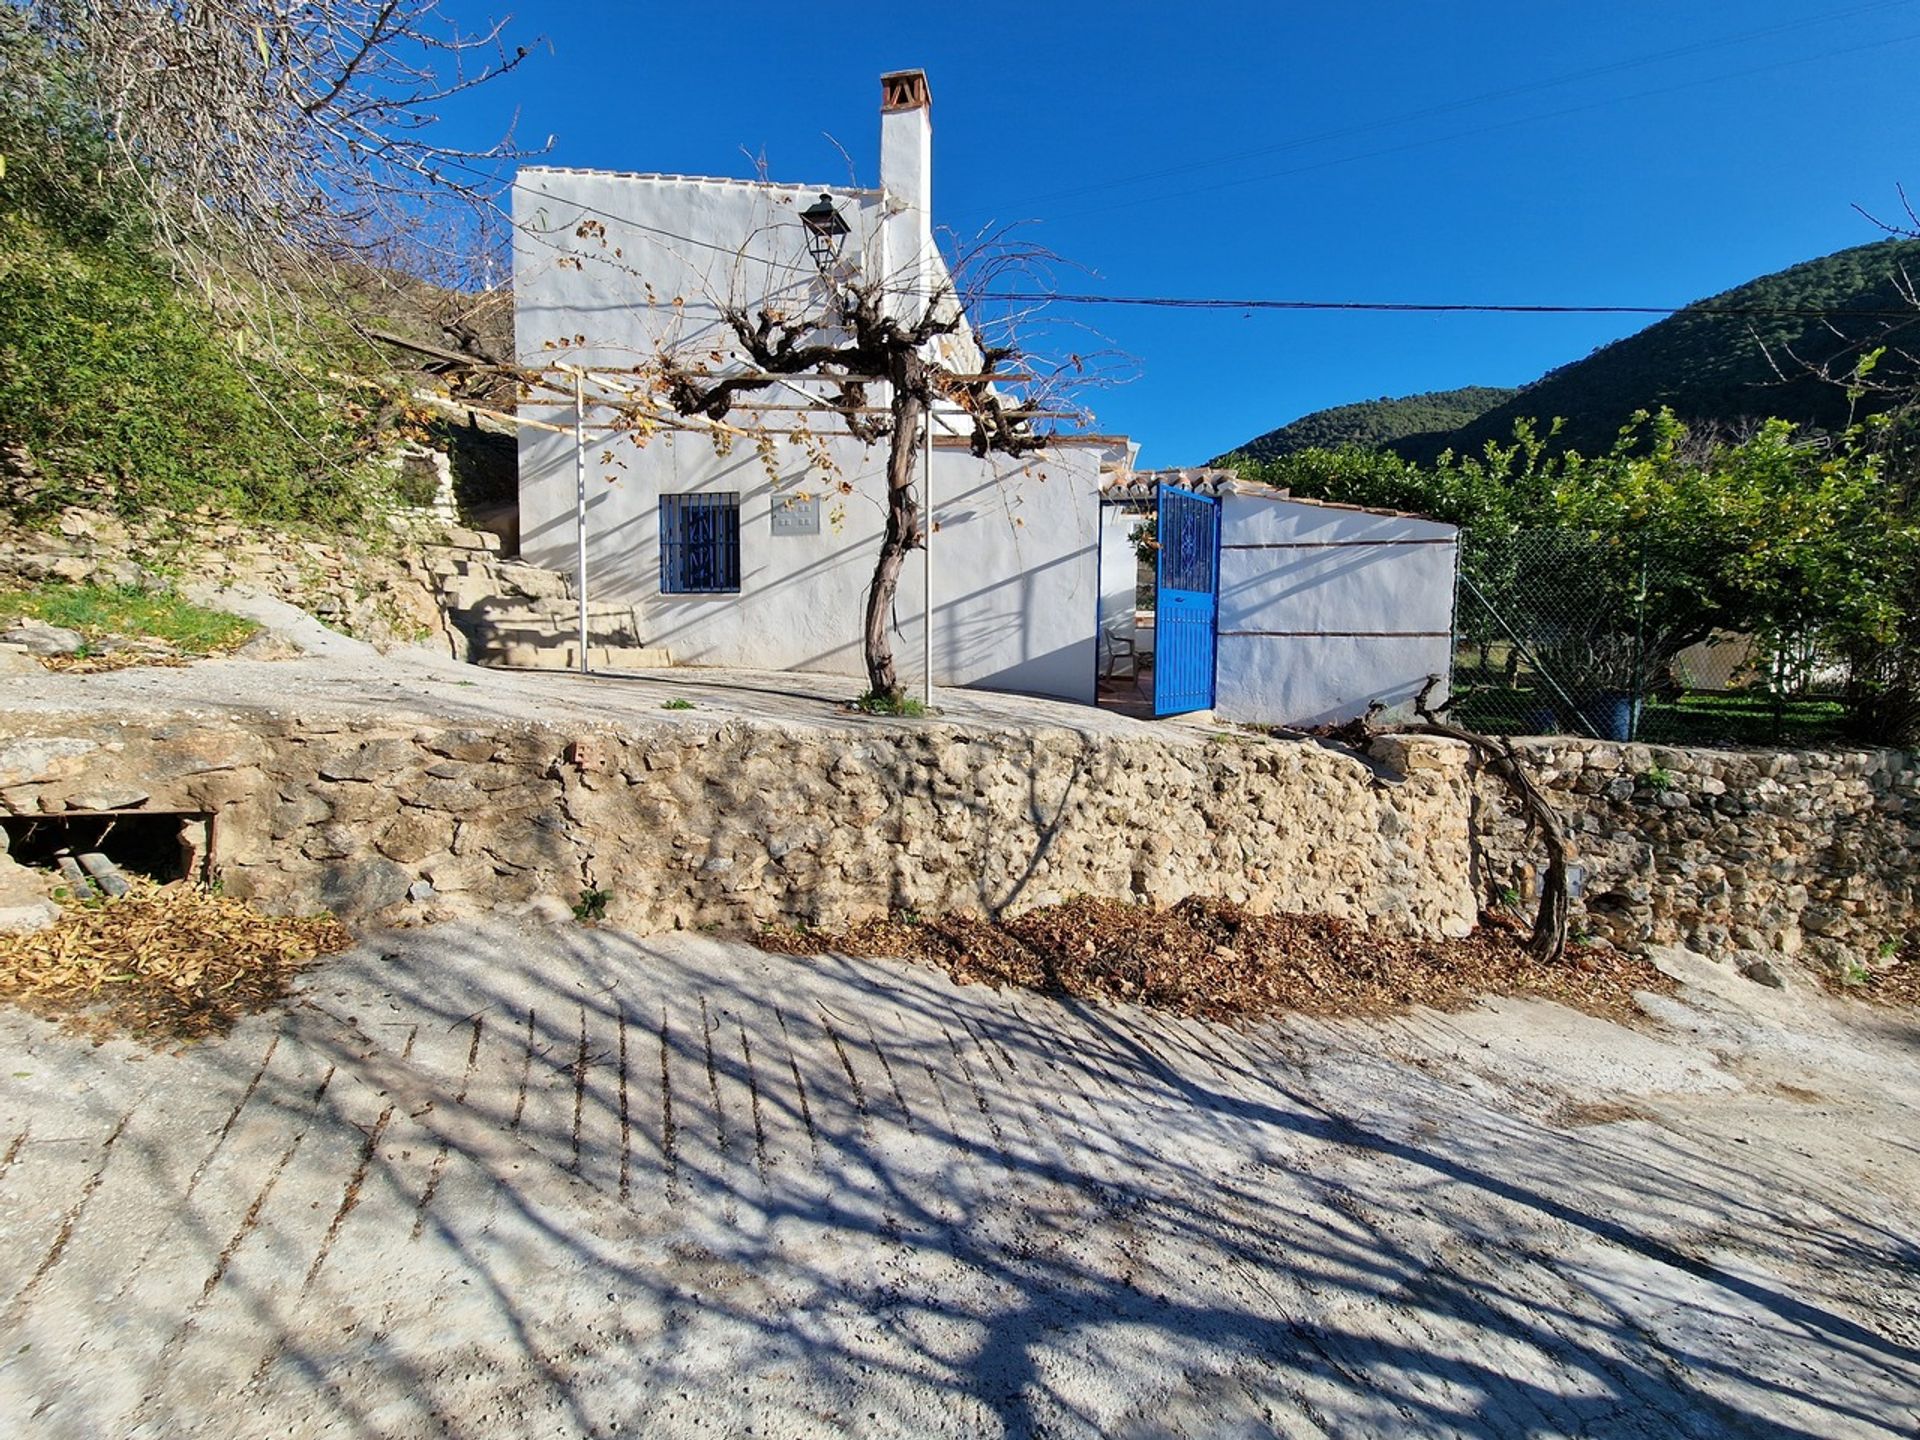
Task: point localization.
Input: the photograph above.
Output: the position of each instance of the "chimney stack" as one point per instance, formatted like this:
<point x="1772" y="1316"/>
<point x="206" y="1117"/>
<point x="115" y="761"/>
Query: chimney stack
<point x="906" y="175"/>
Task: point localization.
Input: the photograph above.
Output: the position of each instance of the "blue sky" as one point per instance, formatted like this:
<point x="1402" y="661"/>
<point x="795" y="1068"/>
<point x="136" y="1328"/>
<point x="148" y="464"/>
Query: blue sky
<point x="1607" y="152"/>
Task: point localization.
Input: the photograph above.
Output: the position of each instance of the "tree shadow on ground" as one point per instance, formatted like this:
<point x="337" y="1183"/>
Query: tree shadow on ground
<point x="481" y="1182"/>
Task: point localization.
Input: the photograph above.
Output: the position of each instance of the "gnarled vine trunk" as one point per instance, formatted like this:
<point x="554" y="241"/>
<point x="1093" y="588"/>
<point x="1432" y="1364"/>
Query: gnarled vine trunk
<point x="904" y="526"/>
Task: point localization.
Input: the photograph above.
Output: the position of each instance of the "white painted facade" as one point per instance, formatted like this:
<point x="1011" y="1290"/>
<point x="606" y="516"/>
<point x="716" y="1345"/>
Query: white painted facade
<point x="613" y="270"/>
<point x="1325" y="609"/>
<point x="1119" y="570"/>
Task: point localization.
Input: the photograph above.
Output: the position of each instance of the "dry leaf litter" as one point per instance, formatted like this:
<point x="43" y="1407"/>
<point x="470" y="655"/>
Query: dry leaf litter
<point x="165" y="962"/>
<point x="1218" y="961"/>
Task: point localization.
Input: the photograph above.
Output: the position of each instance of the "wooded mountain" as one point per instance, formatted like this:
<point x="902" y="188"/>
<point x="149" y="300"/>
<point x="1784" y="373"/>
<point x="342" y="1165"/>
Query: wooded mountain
<point x="1711" y="368"/>
<point x="1374" y="424"/>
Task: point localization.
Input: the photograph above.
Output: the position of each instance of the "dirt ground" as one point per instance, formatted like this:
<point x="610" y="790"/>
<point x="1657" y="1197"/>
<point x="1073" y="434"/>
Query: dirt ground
<point x="497" y="1180"/>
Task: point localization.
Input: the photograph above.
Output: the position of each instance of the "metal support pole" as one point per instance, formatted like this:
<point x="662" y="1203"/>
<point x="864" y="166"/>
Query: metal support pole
<point x="926" y="561"/>
<point x="580" y="506"/>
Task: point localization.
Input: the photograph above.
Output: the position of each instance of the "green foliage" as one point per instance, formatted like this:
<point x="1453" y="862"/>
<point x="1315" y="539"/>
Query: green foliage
<point x="1374" y="424"/>
<point x="99" y="610"/>
<point x="117" y="385"/>
<point x="895" y="703"/>
<point x="1717" y="371"/>
<point x="1658" y="779"/>
<point x="1662" y="539"/>
<point x="677" y="705"/>
<point x="591" y="907"/>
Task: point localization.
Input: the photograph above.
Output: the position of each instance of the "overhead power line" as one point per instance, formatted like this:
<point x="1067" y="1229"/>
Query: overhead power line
<point x="1426" y="307"/>
<point x="1382" y="307"/>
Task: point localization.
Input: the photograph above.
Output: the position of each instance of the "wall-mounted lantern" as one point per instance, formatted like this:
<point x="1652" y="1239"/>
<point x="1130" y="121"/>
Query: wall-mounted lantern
<point x="827" y="229"/>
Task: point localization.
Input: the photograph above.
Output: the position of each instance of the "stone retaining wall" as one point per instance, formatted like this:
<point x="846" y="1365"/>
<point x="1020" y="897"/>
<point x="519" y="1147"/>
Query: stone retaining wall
<point x="744" y="825"/>
<point x="685" y="824"/>
<point x="410" y="588"/>
<point x="1735" y="854"/>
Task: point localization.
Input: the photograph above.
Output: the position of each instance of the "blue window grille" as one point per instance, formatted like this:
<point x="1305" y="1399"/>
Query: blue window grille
<point x="700" y="544"/>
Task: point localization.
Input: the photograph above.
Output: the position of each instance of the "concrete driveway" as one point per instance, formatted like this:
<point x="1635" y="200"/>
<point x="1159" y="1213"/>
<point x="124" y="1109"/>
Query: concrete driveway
<point x="499" y="1181"/>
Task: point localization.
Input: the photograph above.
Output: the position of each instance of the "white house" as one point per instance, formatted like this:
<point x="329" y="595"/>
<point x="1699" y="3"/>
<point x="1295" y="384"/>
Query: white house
<point x="736" y="553"/>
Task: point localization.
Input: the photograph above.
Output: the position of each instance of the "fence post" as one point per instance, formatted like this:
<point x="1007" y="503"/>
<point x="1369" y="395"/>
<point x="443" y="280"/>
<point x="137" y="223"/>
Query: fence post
<point x="580" y="505"/>
<point x="1636" y="697"/>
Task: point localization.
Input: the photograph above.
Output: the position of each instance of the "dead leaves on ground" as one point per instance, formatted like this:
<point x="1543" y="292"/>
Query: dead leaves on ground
<point x="173" y="962"/>
<point x="1219" y="961"/>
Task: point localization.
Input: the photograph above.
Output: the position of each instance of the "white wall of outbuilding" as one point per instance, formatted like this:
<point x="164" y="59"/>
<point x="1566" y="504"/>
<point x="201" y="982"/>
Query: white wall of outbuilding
<point x="1326" y="609"/>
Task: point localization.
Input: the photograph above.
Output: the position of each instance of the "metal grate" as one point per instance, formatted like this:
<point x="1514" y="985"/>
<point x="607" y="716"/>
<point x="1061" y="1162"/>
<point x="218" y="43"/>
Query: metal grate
<point x="700" y="544"/>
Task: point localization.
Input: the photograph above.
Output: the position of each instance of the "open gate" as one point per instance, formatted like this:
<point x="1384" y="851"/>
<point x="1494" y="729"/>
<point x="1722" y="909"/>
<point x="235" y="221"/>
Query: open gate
<point x="1187" y="601"/>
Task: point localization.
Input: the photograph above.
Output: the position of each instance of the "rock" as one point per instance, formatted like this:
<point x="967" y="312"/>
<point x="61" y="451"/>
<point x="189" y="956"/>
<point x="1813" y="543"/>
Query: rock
<point x="39" y="638"/>
<point x="414" y="835"/>
<point x="364" y="887"/>
<point x="123" y="797"/>
<point x="17" y="660"/>
<point x="38" y="759"/>
<point x="374" y="760"/>
<point x="546" y="910"/>
<point x="421" y="891"/>
<point x="27" y="918"/>
<point x="24" y="903"/>
<point x="269" y="645"/>
<point x="1762" y="971"/>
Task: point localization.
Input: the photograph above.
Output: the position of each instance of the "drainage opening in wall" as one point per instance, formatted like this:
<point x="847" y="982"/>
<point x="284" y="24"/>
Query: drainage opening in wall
<point x="163" y="845"/>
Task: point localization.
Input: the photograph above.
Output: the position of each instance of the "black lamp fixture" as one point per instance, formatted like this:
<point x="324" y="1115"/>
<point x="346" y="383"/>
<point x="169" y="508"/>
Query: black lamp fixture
<point x="826" y="230"/>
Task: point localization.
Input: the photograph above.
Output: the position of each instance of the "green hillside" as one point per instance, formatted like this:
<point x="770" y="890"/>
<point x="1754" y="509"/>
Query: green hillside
<point x="1377" y="423"/>
<point x="1712" y="369"/>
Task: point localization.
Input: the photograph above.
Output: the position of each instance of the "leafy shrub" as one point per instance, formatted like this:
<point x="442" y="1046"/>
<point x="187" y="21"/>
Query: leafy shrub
<point x="117" y="385"/>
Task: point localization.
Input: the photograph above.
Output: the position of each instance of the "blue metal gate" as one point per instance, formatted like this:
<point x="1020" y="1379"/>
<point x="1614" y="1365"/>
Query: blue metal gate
<point x="1187" y="601"/>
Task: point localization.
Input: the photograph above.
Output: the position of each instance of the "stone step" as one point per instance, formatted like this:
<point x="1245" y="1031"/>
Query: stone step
<point x="546" y="635"/>
<point x="528" y="655"/>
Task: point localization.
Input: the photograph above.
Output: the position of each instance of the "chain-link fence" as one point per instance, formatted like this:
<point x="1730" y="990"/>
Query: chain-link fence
<point x="1559" y="632"/>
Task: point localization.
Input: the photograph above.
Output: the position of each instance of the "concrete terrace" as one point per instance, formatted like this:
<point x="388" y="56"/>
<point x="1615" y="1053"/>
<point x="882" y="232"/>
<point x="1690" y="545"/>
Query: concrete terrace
<point x="497" y="1181"/>
<point x="340" y="677"/>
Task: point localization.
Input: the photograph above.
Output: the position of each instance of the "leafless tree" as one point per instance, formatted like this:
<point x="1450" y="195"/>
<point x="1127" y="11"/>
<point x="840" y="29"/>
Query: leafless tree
<point x="272" y="136"/>
<point x="872" y="333"/>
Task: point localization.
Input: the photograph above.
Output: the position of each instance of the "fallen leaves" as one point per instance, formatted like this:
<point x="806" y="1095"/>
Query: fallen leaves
<point x="1891" y="980"/>
<point x="167" y="962"/>
<point x="1222" y="962"/>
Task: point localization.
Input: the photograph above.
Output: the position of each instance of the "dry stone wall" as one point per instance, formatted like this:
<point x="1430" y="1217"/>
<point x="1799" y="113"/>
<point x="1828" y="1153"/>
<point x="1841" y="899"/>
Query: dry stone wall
<point x="409" y="589"/>
<point x="738" y="825"/>
<point x="744" y="825"/>
<point x="1739" y="855"/>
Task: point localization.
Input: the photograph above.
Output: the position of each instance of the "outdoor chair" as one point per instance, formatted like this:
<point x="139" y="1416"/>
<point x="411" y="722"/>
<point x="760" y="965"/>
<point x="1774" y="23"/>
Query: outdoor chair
<point x="1116" y="645"/>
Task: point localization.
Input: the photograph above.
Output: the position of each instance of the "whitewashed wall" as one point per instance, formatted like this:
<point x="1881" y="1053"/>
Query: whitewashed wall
<point x="1119" y="569"/>
<point x="1016" y="550"/>
<point x="1324" y="610"/>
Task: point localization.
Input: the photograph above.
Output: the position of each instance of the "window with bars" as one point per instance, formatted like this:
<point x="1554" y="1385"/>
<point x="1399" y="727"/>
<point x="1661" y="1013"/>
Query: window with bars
<point x="700" y="544"/>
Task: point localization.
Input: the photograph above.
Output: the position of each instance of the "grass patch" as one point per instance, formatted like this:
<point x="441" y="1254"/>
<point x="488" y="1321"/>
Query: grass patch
<point x="677" y="705"/>
<point x="97" y="611"/>
<point x="897" y="704"/>
<point x="1734" y="717"/>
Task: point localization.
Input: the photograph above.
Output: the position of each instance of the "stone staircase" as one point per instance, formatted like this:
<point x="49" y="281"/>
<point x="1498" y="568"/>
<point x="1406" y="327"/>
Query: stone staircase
<point x="518" y="615"/>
